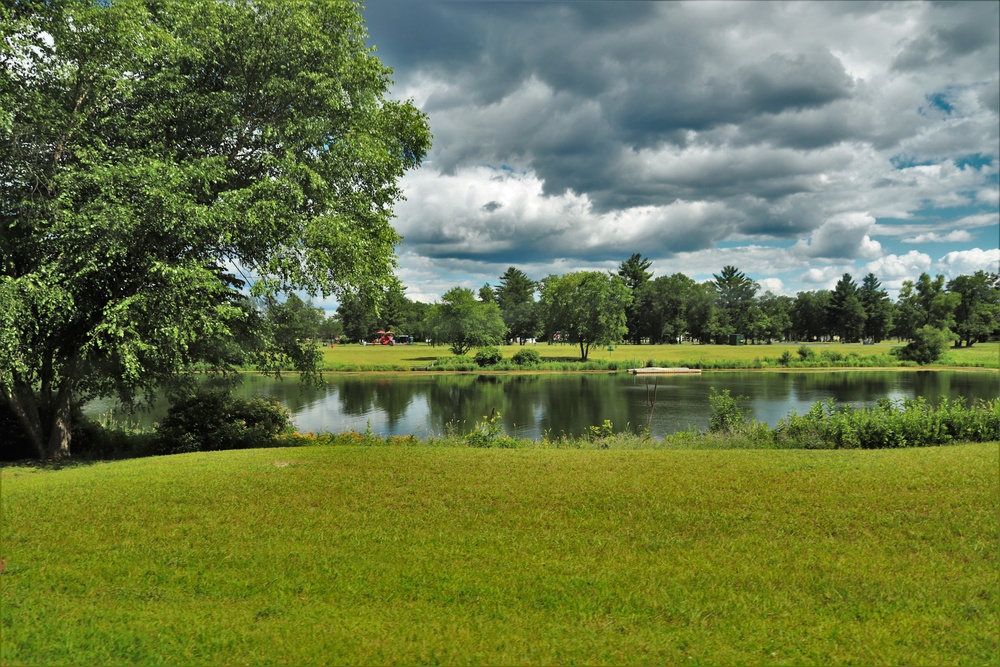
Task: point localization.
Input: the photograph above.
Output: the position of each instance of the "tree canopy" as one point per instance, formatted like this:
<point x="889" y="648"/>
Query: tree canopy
<point x="161" y="161"/>
<point x="516" y="297"/>
<point x="977" y="314"/>
<point x="464" y="322"/>
<point x="736" y="293"/>
<point x="586" y="308"/>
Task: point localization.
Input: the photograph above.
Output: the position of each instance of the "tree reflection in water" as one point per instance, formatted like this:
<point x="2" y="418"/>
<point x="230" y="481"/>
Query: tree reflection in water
<point x="533" y="406"/>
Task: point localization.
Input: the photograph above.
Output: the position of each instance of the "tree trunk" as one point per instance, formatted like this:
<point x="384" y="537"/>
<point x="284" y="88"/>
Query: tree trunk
<point x="60" y="423"/>
<point x="47" y="424"/>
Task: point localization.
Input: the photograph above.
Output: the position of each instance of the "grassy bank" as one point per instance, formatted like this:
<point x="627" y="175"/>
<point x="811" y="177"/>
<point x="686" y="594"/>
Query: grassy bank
<point x="361" y="555"/>
<point x="566" y="357"/>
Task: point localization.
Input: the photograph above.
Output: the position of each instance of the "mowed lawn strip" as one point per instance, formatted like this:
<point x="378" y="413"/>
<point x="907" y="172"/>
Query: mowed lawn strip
<point x="420" y="355"/>
<point x="321" y="555"/>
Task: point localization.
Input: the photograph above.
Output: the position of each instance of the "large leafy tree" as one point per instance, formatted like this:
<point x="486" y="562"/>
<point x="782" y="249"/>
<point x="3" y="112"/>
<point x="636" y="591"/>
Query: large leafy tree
<point x="358" y="316"/>
<point x="463" y="322"/>
<point x="703" y="312"/>
<point x="777" y="311"/>
<point x="587" y="308"/>
<point x="977" y="315"/>
<point x="295" y="327"/>
<point x="665" y="305"/>
<point x="925" y="302"/>
<point x="809" y="315"/>
<point x="158" y="156"/>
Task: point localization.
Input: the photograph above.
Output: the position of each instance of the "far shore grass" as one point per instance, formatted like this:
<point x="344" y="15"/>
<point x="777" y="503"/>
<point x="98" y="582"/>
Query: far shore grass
<point x="565" y="357"/>
<point x="421" y="555"/>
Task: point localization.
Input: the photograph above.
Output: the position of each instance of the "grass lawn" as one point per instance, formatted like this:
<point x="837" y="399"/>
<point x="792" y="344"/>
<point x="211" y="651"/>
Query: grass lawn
<point x="409" y="356"/>
<point x="377" y="555"/>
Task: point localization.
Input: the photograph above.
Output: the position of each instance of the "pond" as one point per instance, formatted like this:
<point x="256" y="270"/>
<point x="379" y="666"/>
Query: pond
<point x="534" y="406"/>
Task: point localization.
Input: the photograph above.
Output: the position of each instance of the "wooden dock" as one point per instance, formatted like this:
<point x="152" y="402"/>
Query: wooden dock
<point x="656" y="370"/>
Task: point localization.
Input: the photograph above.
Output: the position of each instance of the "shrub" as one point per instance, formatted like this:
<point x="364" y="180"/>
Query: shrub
<point x="927" y="346"/>
<point x="526" y="357"/>
<point x="488" y="356"/>
<point x="832" y="357"/>
<point x="602" y="432"/>
<point x="806" y="353"/>
<point x="786" y="358"/>
<point x="215" y="420"/>
<point x="910" y="423"/>
<point x="490" y="433"/>
<point x="726" y="412"/>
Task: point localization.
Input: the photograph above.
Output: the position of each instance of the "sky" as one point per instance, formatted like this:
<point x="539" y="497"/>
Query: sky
<point x="795" y="141"/>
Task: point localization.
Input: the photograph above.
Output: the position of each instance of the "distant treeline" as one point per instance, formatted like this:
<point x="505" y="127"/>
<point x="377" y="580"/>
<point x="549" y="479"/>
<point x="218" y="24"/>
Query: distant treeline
<point x="670" y="308"/>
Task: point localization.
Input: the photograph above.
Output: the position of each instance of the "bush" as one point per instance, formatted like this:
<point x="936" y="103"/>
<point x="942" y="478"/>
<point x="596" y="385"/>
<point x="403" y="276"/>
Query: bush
<point x="726" y="412"/>
<point x="215" y="420"/>
<point x="526" y="357"/>
<point x="911" y="423"/>
<point x="490" y="433"/>
<point x="832" y="357"/>
<point x="927" y="346"/>
<point x="488" y="356"/>
<point x="806" y="353"/>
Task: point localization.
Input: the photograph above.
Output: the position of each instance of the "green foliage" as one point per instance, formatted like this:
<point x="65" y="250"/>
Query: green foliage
<point x="490" y="433"/>
<point x="727" y="413"/>
<point x="216" y="420"/>
<point x="585" y="308"/>
<point x="526" y="357"/>
<point x="910" y="423"/>
<point x="147" y="146"/>
<point x="831" y="357"/>
<point x="977" y="315"/>
<point x="877" y="307"/>
<point x="845" y="311"/>
<point x="602" y="433"/>
<point x="927" y="346"/>
<point x="736" y="294"/>
<point x="488" y="356"/>
<point x="463" y="322"/>
<point x="806" y="353"/>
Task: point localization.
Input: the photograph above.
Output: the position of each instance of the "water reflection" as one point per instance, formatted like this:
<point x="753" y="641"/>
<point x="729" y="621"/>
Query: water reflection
<point x="536" y="405"/>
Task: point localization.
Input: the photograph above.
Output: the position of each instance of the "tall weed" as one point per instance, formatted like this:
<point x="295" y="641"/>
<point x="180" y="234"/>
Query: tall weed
<point x="906" y="423"/>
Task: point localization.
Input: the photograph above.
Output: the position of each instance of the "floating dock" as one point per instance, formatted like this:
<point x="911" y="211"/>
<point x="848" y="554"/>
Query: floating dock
<point x="656" y="370"/>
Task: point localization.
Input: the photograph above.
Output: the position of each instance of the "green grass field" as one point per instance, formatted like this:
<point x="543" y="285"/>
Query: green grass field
<point x="405" y="357"/>
<point x="378" y="555"/>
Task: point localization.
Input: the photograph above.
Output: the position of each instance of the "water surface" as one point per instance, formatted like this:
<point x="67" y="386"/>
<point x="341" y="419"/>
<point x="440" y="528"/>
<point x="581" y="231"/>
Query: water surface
<point x="533" y="406"/>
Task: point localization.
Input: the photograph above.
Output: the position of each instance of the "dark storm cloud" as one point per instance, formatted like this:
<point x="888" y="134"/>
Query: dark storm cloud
<point x="609" y="78"/>
<point x="589" y="130"/>
<point x="959" y="29"/>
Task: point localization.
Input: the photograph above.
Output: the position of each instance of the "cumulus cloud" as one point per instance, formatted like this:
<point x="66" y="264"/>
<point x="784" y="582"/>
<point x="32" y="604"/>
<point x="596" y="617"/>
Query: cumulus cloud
<point x="962" y="262"/>
<point x="843" y="236"/>
<point x="823" y="277"/>
<point x="775" y="285"/>
<point x="894" y="269"/>
<point x="499" y="214"/>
